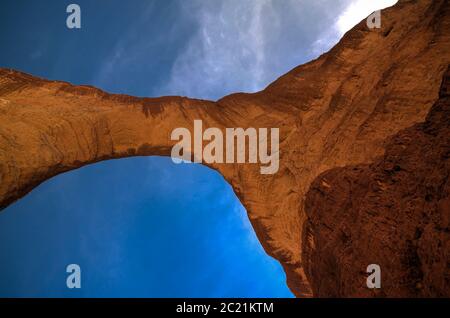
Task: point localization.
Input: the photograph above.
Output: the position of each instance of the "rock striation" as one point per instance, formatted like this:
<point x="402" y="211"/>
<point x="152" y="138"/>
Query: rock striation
<point x="336" y="111"/>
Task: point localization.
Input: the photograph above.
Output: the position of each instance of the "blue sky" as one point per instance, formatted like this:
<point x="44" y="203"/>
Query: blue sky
<point x="137" y="227"/>
<point x="144" y="226"/>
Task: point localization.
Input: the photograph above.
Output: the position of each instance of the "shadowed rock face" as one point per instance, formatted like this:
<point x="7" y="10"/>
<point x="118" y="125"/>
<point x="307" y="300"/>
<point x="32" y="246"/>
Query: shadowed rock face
<point x="335" y="111"/>
<point x="394" y="212"/>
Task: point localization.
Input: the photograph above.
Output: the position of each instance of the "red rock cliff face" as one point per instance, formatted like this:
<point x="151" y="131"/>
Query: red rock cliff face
<point x="394" y="212"/>
<point x="335" y="111"/>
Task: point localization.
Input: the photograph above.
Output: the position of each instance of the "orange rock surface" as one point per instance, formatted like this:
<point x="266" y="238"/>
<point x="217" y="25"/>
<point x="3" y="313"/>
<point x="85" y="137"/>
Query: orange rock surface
<point x="335" y="111"/>
<point x="394" y="212"/>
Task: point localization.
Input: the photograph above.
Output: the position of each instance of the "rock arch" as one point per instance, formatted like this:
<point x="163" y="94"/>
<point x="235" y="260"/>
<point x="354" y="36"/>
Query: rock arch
<point x="335" y="111"/>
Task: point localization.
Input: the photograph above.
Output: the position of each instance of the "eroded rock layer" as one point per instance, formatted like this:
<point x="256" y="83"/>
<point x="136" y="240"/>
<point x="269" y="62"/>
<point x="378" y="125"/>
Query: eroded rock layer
<point x="335" y="111"/>
<point x="394" y="213"/>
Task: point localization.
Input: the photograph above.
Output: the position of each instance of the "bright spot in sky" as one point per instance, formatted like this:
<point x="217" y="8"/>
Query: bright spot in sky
<point x="359" y="9"/>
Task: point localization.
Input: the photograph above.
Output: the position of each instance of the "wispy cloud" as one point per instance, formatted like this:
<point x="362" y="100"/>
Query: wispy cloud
<point x="230" y="45"/>
<point x="228" y="50"/>
<point x="244" y="45"/>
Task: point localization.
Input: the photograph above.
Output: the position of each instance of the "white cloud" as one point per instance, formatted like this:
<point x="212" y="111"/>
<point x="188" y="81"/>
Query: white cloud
<point x="358" y="10"/>
<point x="228" y="49"/>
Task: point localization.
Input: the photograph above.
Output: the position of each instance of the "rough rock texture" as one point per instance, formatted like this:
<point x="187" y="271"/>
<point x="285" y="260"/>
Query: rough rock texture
<point x="335" y="111"/>
<point x="394" y="212"/>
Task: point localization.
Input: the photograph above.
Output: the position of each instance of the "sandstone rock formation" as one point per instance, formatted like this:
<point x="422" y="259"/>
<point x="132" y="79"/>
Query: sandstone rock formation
<point x="335" y="111"/>
<point x="394" y="212"/>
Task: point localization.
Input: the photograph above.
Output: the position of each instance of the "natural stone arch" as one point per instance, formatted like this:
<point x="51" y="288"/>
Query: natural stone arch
<point x="334" y="111"/>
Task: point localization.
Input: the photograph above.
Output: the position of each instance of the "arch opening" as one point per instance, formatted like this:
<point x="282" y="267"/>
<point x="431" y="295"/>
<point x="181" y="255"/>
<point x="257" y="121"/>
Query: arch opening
<point x="138" y="227"/>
